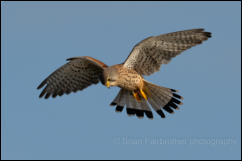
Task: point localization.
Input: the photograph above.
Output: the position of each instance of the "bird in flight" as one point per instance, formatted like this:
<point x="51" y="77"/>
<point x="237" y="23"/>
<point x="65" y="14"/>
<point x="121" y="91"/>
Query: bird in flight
<point x="136" y="93"/>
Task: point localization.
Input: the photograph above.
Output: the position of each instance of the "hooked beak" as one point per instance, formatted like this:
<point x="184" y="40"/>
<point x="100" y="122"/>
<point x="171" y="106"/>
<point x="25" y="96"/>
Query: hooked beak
<point x="108" y="84"/>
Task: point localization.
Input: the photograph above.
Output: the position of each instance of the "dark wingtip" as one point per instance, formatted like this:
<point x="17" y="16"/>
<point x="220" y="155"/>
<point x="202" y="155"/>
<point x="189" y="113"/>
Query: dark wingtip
<point x="172" y="104"/>
<point x="43" y="92"/>
<point x="202" y="30"/>
<point x="161" y="113"/>
<point x="119" y="108"/>
<point x="176" y="101"/>
<point x="41" y="95"/>
<point x="60" y="93"/>
<point x="41" y="84"/>
<point x="177" y="96"/>
<point x="207" y="34"/>
<point x="198" y="30"/>
<point x="173" y="90"/>
<point x="72" y="58"/>
<point x="54" y="95"/>
<point x="149" y="114"/>
<point x="140" y="113"/>
<point x="130" y="111"/>
<point x="47" y="95"/>
<point x="168" y="109"/>
<point x="113" y="104"/>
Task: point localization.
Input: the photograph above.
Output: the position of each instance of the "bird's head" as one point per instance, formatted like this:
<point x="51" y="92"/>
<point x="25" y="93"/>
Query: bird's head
<point x="111" y="76"/>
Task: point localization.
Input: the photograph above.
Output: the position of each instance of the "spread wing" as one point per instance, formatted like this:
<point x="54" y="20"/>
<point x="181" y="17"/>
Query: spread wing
<point x="77" y="74"/>
<point x="148" y="55"/>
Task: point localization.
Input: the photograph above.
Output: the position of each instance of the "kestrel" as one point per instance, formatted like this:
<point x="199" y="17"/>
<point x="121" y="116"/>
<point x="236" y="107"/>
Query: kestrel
<point x="137" y="94"/>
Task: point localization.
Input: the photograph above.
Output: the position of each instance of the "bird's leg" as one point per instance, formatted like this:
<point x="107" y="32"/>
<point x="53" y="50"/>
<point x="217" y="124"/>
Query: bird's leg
<point x="136" y="95"/>
<point x="143" y="94"/>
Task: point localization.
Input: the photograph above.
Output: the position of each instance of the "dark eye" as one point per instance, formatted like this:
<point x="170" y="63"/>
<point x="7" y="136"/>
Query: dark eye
<point x="110" y="80"/>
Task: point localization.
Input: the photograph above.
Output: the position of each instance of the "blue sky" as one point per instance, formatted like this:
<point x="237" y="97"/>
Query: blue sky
<point x="37" y="37"/>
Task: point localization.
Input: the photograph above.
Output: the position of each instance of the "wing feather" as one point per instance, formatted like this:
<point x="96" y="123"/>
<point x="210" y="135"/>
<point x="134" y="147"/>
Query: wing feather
<point x="77" y="74"/>
<point x="148" y="55"/>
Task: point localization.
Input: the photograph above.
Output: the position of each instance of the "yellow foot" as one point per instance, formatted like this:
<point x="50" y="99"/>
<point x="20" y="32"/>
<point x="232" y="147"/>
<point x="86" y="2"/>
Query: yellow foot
<point x="136" y="96"/>
<point x="143" y="94"/>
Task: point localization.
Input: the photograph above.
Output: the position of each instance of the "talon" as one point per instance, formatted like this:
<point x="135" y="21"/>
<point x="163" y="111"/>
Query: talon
<point x="136" y="96"/>
<point x="143" y="94"/>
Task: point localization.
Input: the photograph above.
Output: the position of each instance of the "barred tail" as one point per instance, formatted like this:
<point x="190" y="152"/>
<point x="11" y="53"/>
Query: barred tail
<point x="133" y="107"/>
<point x="158" y="97"/>
<point x="162" y="98"/>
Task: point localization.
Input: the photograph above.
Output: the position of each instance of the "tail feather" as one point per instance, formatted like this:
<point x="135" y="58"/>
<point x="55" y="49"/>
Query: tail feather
<point x="125" y="98"/>
<point x="140" y="107"/>
<point x="119" y="102"/>
<point x="160" y="98"/>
